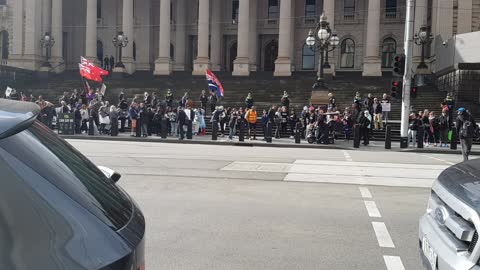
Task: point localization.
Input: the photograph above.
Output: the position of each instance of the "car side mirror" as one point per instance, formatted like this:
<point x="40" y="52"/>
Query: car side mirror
<point x="109" y="173"/>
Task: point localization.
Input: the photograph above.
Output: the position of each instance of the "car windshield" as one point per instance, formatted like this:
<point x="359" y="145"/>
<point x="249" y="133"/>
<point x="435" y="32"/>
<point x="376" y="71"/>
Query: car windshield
<point x="56" y="161"/>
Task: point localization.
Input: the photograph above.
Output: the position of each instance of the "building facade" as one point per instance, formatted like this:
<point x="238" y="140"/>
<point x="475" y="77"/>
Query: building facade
<point x="238" y="36"/>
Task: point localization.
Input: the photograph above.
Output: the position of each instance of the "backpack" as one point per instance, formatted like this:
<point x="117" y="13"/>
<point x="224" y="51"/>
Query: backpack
<point x="468" y="130"/>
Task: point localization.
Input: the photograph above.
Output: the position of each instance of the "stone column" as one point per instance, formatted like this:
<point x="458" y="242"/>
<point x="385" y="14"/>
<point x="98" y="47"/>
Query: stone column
<point x="17" y="46"/>
<point x="283" y="64"/>
<point x="91" y="33"/>
<point x="253" y="46"/>
<point x="202" y="62"/>
<point x="46" y="16"/>
<point x="180" y="36"/>
<point x="241" y="65"/>
<point x="329" y="10"/>
<point x="442" y="20"/>
<point x="163" y="65"/>
<point x="371" y="61"/>
<point x="420" y="20"/>
<point x="216" y="37"/>
<point x="57" y="34"/>
<point x="32" y="53"/>
<point x="464" y="23"/>
<point x="127" y="28"/>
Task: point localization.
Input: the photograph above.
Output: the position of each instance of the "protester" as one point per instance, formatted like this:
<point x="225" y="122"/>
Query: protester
<point x="444" y="127"/>
<point x="413" y="124"/>
<point x="251" y="117"/>
<point x="232" y="124"/>
<point x="113" y="121"/>
<point x="249" y="101"/>
<point x="203" y="100"/>
<point x="213" y="101"/>
<point x="365" y="122"/>
<point x="173" y="119"/>
<point x="385" y="102"/>
<point x="133" y="112"/>
<point x="332" y="102"/>
<point x="285" y="101"/>
<point x="182" y="122"/>
<point x="377" y="114"/>
<point x="466" y="128"/>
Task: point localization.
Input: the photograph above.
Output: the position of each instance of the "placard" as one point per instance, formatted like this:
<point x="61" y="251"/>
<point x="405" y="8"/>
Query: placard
<point x="386" y="107"/>
<point x="66" y="123"/>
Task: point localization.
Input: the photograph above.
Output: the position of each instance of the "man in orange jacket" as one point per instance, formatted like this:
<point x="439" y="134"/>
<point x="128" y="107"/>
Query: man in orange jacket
<point x="251" y="117"/>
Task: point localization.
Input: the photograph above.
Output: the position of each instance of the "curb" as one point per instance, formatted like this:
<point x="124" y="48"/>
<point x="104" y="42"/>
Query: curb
<point x="240" y="144"/>
<point x="428" y="151"/>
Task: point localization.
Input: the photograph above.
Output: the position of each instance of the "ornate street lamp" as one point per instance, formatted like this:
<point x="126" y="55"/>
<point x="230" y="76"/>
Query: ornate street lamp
<point x="47" y="42"/>
<point x="325" y="40"/>
<point x="422" y="38"/>
<point x="120" y="41"/>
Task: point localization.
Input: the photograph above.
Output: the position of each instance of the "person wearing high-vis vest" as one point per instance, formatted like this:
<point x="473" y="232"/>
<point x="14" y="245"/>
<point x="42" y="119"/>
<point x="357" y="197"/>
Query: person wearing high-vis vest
<point x="252" y="123"/>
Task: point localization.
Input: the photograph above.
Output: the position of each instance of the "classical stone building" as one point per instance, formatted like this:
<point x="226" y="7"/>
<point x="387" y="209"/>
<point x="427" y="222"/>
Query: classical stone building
<point x="239" y="36"/>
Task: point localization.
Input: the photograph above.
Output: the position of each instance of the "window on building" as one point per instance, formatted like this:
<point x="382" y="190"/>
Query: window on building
<point x="3" y="44"/>
<point x="347" y="52"/>
<point x="389" y="49"/>
<point x="310" y="10"/>
<point x="99" y="9"/>
<point x="134" y="51"/>
<point x="349" y="9"/>
<point x="308" y="58"/>
<point x="273" y="9"/>
<point x="391" y="8"/>
<point x="172" y="14"/>
<point x="235" y="7"/>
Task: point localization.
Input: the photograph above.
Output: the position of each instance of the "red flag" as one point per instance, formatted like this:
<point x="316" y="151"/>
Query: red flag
<point x="95" y="72"/>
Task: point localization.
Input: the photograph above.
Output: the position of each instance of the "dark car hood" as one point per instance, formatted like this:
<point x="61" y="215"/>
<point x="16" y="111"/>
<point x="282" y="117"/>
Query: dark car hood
<point x="16" y="116"/>
<point x="463" y="181"/>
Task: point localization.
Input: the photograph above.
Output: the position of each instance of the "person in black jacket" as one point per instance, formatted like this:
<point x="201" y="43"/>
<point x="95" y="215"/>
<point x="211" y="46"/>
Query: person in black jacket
<point x="144" y="120"/>
<point x="466" y="128"/>
<point x="182" y="121"/>
<point x="443" y="127"/>
<point x="413" y="124"/>
<point x="204" y="100"/>
<point x="213" y="101"/>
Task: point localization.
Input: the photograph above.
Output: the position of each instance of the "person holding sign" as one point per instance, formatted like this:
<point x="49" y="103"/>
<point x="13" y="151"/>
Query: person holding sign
<point x="386" y="107"/>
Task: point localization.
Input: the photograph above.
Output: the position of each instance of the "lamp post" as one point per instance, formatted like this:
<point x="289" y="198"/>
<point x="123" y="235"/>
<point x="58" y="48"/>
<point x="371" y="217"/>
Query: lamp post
<point x="120" y="41"/>
<point x="47" y="42"/>
<point x="422" y="38"/>
<point x="325" y="40"/>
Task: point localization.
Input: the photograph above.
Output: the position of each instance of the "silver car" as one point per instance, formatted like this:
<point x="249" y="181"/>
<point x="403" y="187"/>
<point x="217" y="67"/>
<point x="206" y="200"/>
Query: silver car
<point x="448" y="232"/>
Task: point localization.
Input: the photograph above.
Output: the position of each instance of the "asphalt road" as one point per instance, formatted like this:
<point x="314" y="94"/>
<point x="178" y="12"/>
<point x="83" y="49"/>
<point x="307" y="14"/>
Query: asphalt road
<point x="230" y="207"/>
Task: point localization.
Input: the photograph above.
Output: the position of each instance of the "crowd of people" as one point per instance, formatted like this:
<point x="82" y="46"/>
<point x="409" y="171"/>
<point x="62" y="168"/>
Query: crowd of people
<point x="150" y="114"/>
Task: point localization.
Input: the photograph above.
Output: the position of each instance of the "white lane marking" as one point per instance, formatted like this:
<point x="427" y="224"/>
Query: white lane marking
<point x="383" y="165"/>
<point x="439" y="159"/>
<point x="365" y="192"/>
<point x="372" y="209"/>
<point x="393" y="263"/>
<point x="352" y="180"/>
<point x="347" y="156"/>
<point x="383" y="237"/>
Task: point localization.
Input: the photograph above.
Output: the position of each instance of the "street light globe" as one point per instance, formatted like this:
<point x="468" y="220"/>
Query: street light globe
<point x="323" y="34"/>
<point x="47" y="38"/>
<point x="120" y="37"/>
<point x="310" y="41"/>
<point x="423" y="35"/>
<point x="334" y="40"/>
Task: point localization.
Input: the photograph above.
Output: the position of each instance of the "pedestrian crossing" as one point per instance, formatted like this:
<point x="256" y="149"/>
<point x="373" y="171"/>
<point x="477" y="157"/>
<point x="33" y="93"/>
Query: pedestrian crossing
<point x="347" y="172"/>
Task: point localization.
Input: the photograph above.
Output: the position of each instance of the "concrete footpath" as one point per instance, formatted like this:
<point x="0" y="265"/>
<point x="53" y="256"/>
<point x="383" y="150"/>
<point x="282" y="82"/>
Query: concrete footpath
<point x="282" y="143"/>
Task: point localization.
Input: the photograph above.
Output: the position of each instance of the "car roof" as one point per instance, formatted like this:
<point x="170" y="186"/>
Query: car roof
<point x="16" y="116"/>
